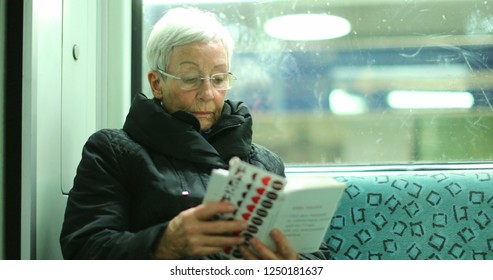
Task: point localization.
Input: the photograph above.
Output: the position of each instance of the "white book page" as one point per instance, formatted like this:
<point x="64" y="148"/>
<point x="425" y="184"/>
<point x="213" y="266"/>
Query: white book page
<point x="308" y="206"/>
<point x="216" y="188"/>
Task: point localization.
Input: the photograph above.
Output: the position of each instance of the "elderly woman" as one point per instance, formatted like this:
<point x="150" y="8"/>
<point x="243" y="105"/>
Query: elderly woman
<point x="138" y="190"/>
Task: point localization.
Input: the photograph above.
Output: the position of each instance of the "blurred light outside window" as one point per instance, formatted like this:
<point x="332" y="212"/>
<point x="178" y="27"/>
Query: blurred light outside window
<point x="398" y="82"/>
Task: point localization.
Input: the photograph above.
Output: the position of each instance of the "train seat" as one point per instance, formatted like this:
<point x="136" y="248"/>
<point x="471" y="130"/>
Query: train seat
<point x="414" y="215"/>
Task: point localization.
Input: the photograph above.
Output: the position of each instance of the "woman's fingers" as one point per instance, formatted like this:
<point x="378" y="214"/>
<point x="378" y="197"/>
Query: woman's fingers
<point x="262" y="251"/>
<point x="210" y="244"/>
<point x="283" y="250"/>
<point x="247" y="254"/>
<point x="210" y="209"/>
<point x="198" y="220"/>
<point x="222" y="227"/>
<point x="203" y="224"/>
<point x="217" y="241"/>
<point x="193" y="233"/>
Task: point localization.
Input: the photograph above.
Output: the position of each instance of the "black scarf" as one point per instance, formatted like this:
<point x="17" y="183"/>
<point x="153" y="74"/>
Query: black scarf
<point x="178" y="134"/>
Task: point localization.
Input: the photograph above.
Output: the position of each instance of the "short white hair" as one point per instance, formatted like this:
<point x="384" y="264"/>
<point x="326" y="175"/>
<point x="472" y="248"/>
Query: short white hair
<point x="182" y="26"/>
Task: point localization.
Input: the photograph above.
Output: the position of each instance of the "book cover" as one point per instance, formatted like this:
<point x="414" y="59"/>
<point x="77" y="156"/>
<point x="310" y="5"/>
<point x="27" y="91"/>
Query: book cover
<point x="301" y="206"/>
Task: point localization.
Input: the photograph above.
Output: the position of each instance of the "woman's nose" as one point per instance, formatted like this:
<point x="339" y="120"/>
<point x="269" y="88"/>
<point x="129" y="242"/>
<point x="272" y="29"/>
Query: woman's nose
<point x="206" y="91"/>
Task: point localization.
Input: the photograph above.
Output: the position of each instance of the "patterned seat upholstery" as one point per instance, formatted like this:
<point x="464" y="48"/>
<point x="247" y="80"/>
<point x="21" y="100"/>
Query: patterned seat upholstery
<point x="417" y="216"/>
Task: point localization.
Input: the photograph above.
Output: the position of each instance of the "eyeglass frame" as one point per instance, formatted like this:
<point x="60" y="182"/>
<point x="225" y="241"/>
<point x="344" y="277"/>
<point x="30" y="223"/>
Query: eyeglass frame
<point x="202" y="78"/>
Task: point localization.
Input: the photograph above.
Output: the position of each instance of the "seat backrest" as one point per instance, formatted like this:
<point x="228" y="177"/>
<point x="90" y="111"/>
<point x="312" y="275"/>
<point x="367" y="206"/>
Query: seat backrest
<point x="420" y="215"/>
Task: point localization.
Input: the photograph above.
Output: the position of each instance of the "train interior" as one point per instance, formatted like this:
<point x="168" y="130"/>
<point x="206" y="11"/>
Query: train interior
<point x="367" y="90"/>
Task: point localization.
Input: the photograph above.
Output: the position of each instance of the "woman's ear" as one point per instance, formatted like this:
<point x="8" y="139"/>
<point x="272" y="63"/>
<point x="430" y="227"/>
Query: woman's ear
<point x="154" y="82"/>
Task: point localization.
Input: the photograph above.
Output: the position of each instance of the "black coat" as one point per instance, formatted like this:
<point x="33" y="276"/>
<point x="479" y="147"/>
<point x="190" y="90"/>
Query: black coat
<point x="130" y="183"/>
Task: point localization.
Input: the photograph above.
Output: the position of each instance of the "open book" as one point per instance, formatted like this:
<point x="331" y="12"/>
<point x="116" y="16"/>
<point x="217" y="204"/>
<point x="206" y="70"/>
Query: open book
<point x="301" y="206"/>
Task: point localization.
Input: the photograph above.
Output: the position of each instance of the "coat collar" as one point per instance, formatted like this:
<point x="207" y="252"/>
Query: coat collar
<point x="177" y="135"/>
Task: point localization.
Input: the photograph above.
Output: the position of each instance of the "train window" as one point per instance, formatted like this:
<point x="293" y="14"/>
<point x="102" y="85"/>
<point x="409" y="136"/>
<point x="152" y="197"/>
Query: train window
<point x="360" y="82"/>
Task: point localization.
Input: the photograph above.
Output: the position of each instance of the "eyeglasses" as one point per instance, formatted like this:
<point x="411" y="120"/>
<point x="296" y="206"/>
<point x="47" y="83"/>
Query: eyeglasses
<point x="220" y="81"/>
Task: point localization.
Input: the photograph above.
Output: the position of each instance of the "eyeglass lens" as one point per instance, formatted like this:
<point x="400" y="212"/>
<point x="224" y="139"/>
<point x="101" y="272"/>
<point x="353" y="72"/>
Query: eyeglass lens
<point x="221" y="81"/>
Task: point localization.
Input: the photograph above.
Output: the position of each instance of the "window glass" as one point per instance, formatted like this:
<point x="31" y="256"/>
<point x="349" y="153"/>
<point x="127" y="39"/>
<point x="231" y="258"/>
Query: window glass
<point x="410" y="82"/>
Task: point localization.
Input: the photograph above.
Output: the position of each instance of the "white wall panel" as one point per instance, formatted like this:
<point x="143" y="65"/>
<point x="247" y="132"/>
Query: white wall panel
<point x="78" y="82"/>
<point x="119" y="36"/>
<point x="58" y="113"/>
<point x="50" y="202"/>
<point x="64" y="101"/>
<point x="42" y="201"/>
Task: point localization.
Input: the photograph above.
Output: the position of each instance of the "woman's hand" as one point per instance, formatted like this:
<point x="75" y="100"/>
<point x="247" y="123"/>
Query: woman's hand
<point x="284" y="251"/>
<point x="193" y="234"/>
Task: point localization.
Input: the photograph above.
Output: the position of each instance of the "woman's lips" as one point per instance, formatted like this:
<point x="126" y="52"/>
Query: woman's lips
<point x="202" y="114"/>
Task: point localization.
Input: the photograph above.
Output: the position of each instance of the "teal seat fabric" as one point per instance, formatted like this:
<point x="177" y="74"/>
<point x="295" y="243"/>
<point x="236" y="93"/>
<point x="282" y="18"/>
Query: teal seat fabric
<point x="419" y="216"/>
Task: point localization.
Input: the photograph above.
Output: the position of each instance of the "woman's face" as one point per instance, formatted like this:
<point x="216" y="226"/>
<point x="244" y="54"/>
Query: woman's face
<point x="195" y="59"/>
